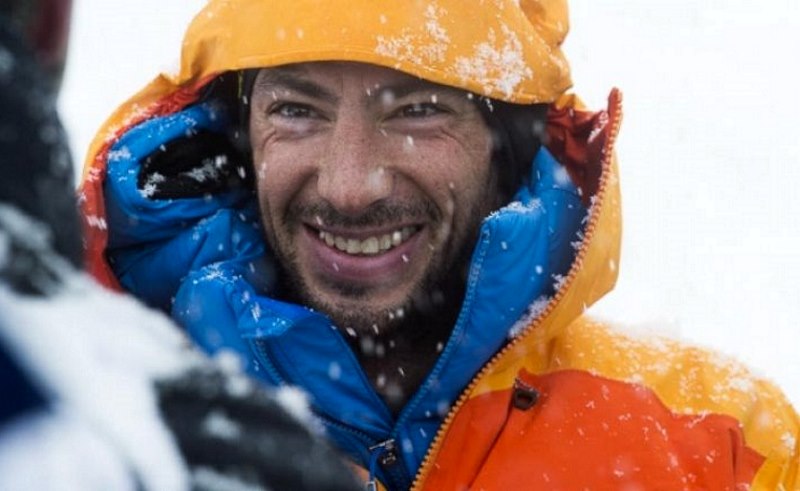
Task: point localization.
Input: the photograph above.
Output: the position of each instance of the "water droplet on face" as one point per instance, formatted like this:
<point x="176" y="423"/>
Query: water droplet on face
<point x="387" y="97"/>
<point x="409" y="141"/>
<point x="262" y="170"/>
<point x="405" y="258"/>
<point x="375" y="178"/>
<point x="335" y="267"/>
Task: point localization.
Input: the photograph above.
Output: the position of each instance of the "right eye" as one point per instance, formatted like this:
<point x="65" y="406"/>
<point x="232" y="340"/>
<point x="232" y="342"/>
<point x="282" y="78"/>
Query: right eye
<point x="291" y="110"/>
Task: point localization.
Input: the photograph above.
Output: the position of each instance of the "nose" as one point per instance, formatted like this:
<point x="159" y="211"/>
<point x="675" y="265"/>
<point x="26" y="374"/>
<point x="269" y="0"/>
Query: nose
<point x="353" y="175"/>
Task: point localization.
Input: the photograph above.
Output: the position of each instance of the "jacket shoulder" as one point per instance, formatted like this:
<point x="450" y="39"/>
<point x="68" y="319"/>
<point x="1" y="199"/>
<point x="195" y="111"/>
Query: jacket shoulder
<point x="689" y="380"/>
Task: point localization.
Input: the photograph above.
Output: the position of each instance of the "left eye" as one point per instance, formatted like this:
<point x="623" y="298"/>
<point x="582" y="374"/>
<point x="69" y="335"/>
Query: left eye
<point x="420" y="110"/>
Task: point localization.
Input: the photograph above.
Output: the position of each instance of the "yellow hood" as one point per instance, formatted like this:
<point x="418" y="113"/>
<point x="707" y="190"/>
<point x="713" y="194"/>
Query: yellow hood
<point x="504" y="49"/>
<point x="499" y="48"/>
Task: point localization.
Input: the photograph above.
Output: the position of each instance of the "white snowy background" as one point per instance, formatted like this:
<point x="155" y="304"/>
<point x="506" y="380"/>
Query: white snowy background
<point x="709" y="152"/>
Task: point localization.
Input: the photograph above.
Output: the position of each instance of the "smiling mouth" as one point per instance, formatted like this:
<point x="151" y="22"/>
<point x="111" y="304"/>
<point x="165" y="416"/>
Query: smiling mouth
<point x="370" y="246"/>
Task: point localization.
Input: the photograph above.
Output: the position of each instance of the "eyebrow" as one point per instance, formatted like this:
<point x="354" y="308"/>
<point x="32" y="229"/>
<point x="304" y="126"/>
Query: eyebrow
<point x="289" y="78"/>
<point x="292" y="78"/>
<point x="408" y="87"/>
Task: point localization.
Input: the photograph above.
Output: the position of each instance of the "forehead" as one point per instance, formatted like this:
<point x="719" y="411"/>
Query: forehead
<point x="335" y="76"/>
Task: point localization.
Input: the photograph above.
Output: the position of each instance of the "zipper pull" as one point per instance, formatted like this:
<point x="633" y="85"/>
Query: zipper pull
<point x="383" y="453"/>
<point x="524" y="396"/>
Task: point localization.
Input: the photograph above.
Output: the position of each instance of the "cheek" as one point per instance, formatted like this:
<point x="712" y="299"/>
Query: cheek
<point x="458" y="170"/>
<point x="281" y="175"/>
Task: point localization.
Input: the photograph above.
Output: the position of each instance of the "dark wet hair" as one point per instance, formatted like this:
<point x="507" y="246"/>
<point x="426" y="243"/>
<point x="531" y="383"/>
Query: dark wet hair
<point x="518" y="131"/>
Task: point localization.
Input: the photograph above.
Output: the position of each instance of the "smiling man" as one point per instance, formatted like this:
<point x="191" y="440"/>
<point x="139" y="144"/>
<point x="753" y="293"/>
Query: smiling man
<point x="396" y="207"/>
<point x="372" y="185"/>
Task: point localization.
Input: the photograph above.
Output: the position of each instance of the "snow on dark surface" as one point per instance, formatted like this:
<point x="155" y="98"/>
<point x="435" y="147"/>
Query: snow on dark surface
<point x="97" y="354"/>
<point x="709" y="154"/>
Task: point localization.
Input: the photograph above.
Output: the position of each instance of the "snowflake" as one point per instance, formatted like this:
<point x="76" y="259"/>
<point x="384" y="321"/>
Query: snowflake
<point x="497" y="67"/>
<point x="417" y="48"/>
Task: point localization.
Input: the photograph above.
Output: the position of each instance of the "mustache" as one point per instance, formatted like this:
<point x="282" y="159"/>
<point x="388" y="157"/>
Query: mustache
<point x="378" y="214"/>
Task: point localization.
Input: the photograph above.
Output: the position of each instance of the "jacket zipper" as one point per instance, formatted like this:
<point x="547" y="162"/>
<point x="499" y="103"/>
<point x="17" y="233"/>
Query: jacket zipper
<point x="263" y="359"/>
<point x="384" y="452"/>
<point x="427" y="462"/>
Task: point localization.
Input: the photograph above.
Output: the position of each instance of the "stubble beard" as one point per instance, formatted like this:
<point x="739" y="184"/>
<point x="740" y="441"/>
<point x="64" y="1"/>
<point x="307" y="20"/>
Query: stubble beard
<point x="434" y="300"/>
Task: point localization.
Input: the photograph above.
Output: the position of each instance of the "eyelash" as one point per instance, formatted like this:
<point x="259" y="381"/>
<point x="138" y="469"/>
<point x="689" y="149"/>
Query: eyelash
<point x="293" y="110"/>
<point x="290" y="110"/>
<point x="420" y="110"/>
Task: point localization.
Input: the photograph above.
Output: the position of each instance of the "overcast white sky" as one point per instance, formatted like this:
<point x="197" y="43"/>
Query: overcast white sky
<point x="709" y="152"/>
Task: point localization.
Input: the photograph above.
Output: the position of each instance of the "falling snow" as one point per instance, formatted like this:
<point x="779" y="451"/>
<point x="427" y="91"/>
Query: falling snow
<point x="535" y="309"/>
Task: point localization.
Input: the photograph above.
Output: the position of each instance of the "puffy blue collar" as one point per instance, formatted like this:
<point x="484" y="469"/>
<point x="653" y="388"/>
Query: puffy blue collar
<point x="523" y="251"/>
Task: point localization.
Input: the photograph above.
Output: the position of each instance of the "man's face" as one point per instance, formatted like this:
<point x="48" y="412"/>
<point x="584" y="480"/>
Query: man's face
<point x="372" y="184"/>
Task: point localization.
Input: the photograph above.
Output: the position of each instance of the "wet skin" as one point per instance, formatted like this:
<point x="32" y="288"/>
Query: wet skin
<point x="372" y="185"/>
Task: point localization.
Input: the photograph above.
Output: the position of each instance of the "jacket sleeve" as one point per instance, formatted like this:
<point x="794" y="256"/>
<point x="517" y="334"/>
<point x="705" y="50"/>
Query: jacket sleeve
<point x="693" y="381"/>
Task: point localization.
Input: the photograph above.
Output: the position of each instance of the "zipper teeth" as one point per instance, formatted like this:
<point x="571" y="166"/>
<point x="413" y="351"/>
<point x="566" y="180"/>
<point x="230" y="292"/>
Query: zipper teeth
<point x="424" y="468"/>
<point x="271" y="369"/>
<point x="363" y="437"/>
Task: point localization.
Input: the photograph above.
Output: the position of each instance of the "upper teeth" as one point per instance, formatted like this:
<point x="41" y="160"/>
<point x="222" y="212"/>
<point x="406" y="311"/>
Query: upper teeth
<point x="370" y="245"/>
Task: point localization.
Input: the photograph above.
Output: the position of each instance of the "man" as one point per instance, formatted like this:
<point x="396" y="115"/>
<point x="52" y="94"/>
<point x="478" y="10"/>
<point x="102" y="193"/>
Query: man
<point x="80" y="410"/>
<point x="397" y="208"/>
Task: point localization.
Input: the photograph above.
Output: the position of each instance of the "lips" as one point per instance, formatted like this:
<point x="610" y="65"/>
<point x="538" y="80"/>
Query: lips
<point x="370" y="246"/>
<point x="378" y="258"/>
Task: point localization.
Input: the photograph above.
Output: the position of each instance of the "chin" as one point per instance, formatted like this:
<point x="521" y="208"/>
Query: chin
<point x="363" y="312"/>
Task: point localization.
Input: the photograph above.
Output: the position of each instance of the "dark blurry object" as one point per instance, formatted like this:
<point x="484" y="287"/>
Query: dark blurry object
<point x="44" y="25"/>
<point x="227" y="430"/>
<point x="40" y="247"/>
<point x="35" y="164"/>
